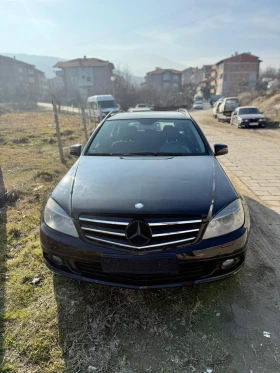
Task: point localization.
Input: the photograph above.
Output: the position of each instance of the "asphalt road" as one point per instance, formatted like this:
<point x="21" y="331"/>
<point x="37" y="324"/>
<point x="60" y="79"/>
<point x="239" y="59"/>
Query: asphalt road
<point x="225" y="327"/>
<point x="48" y="106"/>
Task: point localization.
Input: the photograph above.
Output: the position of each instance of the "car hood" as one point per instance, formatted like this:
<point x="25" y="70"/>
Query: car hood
<point x="164" y="185"/>
<point x="250" y="116"/>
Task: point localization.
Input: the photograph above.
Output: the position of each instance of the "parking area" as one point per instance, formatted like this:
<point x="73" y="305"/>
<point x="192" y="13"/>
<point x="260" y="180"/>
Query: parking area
<point x="253" y="160"/>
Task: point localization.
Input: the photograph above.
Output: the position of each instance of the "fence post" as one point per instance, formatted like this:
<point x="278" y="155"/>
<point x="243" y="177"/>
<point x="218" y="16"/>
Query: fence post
<point x="57" y="130"/>
<point x="84" y="121"/>
<point x="2" y="188"/>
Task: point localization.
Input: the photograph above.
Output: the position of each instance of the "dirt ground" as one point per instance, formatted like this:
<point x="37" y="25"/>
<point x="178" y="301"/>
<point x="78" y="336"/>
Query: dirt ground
<point x="66" y="326"/>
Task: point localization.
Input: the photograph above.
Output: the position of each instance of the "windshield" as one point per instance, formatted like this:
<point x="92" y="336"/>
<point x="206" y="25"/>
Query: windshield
<point x="232" y="101"/>
<point x="249" y="110"/>
<point x="147" y="137"/>
<point x="107" y="104"/>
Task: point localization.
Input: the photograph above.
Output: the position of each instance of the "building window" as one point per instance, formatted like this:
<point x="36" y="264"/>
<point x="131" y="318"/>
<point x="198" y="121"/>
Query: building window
<point x="31" y="72"/>
<point x="175" y="77"/>
<point x="165" y="84"/>
<point x="175" y="85"/>
<point x="166" y="76"/>
<point x="84" y="77"/>
<point x="88" y="79"/>
<point x="31" y="80"/>
<point x="20" y="69"/>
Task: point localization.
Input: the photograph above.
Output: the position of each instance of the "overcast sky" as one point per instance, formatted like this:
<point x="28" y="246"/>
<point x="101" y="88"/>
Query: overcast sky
<point x="143" y="34"/>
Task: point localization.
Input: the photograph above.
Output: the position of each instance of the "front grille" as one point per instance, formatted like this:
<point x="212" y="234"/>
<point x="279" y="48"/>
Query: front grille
<point x="171" y="231"/>
<point x="189" y="271"/>
<point x="253" y="120"/>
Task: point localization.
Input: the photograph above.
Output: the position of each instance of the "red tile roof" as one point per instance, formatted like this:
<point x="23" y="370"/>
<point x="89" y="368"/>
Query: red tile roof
<point x="83" y="62"/>
<point x="161" y="71"/>
<point x="243" y="57"/>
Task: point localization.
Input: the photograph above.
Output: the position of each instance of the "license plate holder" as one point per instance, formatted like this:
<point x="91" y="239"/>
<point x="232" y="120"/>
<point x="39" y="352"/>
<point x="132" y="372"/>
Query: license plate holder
<point x="140" y="265"/>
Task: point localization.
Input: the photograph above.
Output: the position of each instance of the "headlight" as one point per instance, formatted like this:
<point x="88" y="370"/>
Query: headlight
<point x="262" y="120"/>
<point x="239" y="119"/>
<point x="56" y="218"/>
<point x="226" y="221"/>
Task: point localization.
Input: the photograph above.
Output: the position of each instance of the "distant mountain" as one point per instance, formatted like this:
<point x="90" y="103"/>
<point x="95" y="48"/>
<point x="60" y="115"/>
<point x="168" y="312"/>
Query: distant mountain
<point x="43" y="63"/>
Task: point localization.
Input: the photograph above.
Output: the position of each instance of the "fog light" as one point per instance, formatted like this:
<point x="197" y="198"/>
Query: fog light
<point x="57" y="260"/>
<point x="229" y="263"/>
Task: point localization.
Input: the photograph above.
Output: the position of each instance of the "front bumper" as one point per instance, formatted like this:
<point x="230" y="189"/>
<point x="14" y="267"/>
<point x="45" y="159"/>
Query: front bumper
<point x="198" y="263"/>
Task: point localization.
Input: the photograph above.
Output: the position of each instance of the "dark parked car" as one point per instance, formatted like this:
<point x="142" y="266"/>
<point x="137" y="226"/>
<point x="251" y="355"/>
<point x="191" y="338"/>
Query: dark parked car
<point x="146" y="205"/>
<point x="247" y="116"/>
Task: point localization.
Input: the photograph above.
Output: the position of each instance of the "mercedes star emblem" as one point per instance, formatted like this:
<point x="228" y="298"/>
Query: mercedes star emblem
<point x="138" y="233"/>
<point x="139" y="205"/>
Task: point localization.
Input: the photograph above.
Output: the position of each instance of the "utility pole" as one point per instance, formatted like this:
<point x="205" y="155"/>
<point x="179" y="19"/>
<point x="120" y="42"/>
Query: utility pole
<point x="57" y="130"/>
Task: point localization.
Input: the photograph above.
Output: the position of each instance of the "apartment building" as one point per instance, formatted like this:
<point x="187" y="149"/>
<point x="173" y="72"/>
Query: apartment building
<point x="235" y="74"/>
<point x="163" y="78"/>
<point x="85" y="77"/>
<point x="18" y="77"/>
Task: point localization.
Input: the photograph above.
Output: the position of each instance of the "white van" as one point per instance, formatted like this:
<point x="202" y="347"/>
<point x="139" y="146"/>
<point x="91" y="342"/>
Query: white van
<point x="101" y="105"/>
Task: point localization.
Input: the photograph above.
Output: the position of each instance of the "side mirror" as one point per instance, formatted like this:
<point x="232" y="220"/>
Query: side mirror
<point x="76" y="150"/>
<point x="220" y="149"/>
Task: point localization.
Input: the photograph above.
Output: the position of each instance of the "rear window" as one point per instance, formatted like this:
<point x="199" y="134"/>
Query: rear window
<point x="147" y="136"/>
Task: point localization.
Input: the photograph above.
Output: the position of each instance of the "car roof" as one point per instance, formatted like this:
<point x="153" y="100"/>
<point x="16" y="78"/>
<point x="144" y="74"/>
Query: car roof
<point x="247" y="107"/>
<point x="150" y="114"/>
<point x="100" y="97"/>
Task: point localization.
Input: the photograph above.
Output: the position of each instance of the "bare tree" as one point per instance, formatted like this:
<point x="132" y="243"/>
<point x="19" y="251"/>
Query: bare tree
<point x="270" y="72"/>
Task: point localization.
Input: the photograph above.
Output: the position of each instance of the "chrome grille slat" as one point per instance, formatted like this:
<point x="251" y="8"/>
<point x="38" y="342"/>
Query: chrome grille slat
<point x="174" y="233"/>
<point x="103" y="221"/>
<point x="105" y="232"/>
<point x="165" y="231"/>
<point x="175" y="223"/>
<point x="142" y="247"/>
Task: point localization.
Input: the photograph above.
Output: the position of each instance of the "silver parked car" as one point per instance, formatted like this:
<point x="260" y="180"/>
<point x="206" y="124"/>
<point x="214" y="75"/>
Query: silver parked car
<point x="247" y="116"/>
<point x="198" y="105"/>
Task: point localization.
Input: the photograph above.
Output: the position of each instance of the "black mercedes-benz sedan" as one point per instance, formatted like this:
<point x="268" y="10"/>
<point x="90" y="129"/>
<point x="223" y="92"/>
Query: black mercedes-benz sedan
<point x="146" y="205"/>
